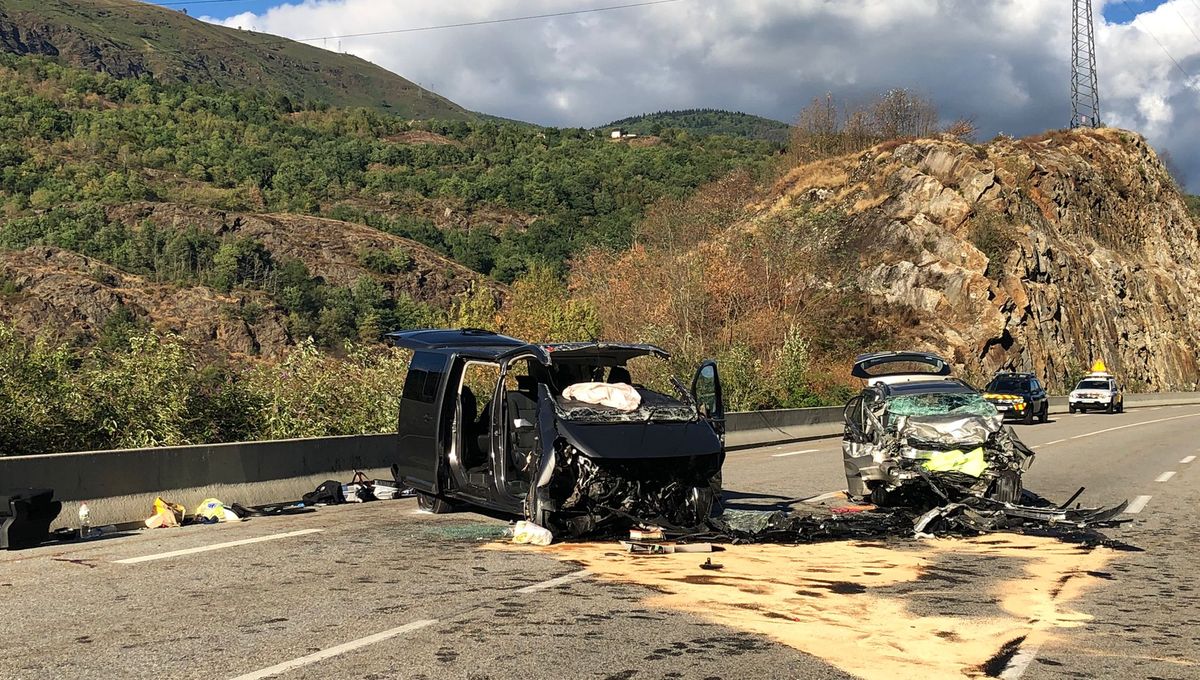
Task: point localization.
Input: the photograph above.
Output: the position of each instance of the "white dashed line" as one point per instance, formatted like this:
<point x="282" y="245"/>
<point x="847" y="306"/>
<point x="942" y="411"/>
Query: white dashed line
<point x="1166" y="476"/>
<point x="566" y="578"/>
<point x="793" y="453"/>
<point x="216" y="546"/>
<point x="1020" y="661"/>
<point x="1144" y="422"/>
<point x="1137" y="505"/>
<point x="1185" y="461"/>
<point x="310" y="659"/>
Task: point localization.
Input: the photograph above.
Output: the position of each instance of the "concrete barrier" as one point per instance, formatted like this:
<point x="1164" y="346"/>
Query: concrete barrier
<point x="120" y="486"/>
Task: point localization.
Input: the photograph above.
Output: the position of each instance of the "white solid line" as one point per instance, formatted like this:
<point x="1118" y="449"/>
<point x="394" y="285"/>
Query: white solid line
<point x="1166" y="476"/>
<point x="566" y="578"/>
<point x="1137" y="505"/>
<point x="793" y="453"/>
<point x="215" y="546"/>
<point x="1144" y="422"/>
<point x="1187" y="460"/>
<point x="1056" y="441"/>
<point x="1020" y="662"/>
<point x="302" y="661"/>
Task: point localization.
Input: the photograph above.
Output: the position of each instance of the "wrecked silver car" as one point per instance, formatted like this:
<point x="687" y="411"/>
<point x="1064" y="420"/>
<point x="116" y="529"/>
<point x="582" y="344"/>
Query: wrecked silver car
<point x="562" y="433"/>
<point x="913" y="424"/>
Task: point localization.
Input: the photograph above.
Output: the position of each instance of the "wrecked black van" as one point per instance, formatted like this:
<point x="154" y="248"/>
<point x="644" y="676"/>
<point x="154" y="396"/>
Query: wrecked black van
<point x="562" y="434"/>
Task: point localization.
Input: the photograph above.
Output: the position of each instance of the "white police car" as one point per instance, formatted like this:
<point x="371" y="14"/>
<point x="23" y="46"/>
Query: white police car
<point x="1097" y="390"/>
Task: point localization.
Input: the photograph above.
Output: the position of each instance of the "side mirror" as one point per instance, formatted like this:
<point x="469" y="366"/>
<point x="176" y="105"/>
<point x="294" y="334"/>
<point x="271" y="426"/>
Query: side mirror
<point x="706" y="391"/>
<point x="520" y="423"/>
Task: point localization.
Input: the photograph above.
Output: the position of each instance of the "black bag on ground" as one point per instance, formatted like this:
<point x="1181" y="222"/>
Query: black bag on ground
<point x="25" y="517"/>
<point x="328" y="492"/>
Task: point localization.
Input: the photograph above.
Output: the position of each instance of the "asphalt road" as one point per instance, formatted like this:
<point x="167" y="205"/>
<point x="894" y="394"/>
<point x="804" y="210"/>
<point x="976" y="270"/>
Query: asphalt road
<point x="380" y="591"/>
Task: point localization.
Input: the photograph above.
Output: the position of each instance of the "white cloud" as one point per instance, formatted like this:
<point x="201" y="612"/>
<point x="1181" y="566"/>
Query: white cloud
<point x="1004" y="62"/>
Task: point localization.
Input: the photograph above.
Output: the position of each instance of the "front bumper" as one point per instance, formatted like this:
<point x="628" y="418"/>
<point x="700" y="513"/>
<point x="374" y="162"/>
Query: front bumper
<point x="1090" y="402"/>
<point x="1010" y="409"/>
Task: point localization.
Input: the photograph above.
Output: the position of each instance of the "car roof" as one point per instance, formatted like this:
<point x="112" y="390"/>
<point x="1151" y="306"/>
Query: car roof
<point x="1012" y="374"/>
<point x="947" y="386"/>
<point x="489" y="344"/>
<point x="864" y="363"/>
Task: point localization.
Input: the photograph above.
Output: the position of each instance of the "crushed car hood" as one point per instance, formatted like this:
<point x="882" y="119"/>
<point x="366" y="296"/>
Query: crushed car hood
<point x="943" y="431"/>
<point x="626" y="441"/>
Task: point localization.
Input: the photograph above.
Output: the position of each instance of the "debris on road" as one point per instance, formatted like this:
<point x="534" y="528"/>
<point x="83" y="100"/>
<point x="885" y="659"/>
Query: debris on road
<point x="709" y="565"/>
<point x="211" y="511"/>
<point x="25" y="517"/>
<point x="166" y="515"/>
<point x="528" y="532"/>
<point x="664" y="548"/>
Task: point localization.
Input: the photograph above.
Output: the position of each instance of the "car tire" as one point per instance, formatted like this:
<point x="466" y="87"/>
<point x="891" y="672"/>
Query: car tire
<point x="879" y="496"/>
<point x="1110" y="409"/>
<point x="1071" y="409"/>
<point x="1045" y="415"/>
<point x="1028" y="416"/>
<point x="427" y="502"/>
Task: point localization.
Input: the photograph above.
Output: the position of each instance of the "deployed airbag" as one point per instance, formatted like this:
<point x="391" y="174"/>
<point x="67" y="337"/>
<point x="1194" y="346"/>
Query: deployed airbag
<point x="619" y="396"/>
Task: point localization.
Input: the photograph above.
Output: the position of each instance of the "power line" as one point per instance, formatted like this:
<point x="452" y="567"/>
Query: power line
<point x="1160" y="43"/>
<point x="482" y="22"/>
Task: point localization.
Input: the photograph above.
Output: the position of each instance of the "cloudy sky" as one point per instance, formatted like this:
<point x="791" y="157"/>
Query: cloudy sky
<point x="1003" y="62"/>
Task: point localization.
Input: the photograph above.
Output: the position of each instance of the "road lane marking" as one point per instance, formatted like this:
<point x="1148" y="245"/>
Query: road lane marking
<point x="566" y="578"/>
<point x="1056" y="441"/>
<point x="1187" y="460"/>
<point x="1020" y="662"/>
<point x="1145" y="422"/>
<point x="1166" y="476"/>
<point x="337" y="650"/>
<point x="215" y="546"/>
<point x="1137" y="505"/>
<point x="793" y="453"/>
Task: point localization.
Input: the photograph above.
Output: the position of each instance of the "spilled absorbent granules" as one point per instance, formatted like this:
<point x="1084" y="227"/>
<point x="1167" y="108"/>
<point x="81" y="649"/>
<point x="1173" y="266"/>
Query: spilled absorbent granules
<point x="852" y="604"/>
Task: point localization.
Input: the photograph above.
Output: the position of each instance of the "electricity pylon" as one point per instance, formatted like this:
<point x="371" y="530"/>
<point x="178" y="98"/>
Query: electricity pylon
<point x="1085" y="93"/>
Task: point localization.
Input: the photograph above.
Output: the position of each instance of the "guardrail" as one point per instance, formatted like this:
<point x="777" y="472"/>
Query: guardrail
<point x="120" y="486"/>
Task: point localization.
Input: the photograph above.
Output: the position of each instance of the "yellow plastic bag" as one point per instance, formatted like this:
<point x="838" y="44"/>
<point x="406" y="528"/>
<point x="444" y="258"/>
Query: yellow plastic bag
<point x="165" y="515"/>
<point x="969" y="463"/>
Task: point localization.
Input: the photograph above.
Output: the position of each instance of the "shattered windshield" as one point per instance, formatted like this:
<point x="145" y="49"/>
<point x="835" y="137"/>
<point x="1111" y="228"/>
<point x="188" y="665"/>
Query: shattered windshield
<point x="941" y="404"/>
<point x="1092" y="385"/>
<point x="654" y="406"/>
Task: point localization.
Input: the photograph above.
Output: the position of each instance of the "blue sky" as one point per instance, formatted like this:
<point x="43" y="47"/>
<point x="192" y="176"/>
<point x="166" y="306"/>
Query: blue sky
<point x="1115" y="11"/>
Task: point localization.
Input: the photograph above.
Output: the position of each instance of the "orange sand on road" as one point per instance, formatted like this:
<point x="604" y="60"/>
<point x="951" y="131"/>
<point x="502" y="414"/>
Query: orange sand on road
<point x="823" y="599"/>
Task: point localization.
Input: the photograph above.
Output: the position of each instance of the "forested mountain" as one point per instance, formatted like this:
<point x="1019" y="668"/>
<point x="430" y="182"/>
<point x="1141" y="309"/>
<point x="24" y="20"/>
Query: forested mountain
<point x="126" y="38"/>
<point x="704" y="122"/>
<point x="79" y="149"/>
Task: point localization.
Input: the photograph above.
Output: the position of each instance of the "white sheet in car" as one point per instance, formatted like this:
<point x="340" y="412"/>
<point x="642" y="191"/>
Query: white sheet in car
<point x="619" y="396"/>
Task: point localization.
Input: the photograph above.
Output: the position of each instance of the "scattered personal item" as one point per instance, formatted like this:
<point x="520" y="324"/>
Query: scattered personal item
<point x="528" y="532"/>
<point x="710" y="565"/>
<point x="360" y="489"/>
<point x="328" y="492"/>
<point x="85" y="520"/>
<point x="25" y="517"/>
<point x="211" y="511"/>
<point x="619" y="396"/>
<point x="650" y="548"/>
<point x="165" y="515"/>
<point x="643" y="533"/>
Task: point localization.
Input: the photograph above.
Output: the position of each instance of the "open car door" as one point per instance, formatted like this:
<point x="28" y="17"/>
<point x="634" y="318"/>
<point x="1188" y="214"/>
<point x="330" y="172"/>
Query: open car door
<point x="706" y="391"/>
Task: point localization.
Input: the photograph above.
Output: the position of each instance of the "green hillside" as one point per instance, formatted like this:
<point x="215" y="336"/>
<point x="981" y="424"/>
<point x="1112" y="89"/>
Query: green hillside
<point x="704" y="122"/>
<point x="128" y="39"/>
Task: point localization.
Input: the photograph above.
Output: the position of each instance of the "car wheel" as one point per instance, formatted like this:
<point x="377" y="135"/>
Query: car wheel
<point x="1110" y="408"/>
<point x="880" y="496"/>
<point x="432" y="504"/>
<point x="1028" y="416"/>
<point x="1071" y="409"/>
<point x="1045" y="416"/>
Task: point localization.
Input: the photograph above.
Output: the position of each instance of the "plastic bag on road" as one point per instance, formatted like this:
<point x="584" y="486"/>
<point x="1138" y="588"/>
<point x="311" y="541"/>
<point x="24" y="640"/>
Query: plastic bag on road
<point x="528" y="532"/>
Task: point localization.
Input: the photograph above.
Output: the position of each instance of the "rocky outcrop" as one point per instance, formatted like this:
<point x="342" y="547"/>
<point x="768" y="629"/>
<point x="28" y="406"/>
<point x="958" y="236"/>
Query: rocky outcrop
<point x="331" y="249"/>
<point x="57" y="292"/>
<point x="1040" y="254"/>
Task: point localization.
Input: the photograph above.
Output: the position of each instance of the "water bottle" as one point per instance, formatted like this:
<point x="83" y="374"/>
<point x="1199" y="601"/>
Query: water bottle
<point x="85" y="521"/>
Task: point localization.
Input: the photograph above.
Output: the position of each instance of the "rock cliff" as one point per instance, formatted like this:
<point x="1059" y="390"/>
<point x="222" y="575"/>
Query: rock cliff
<point x="61" y="293"/>
<point x="1039" y="254"/>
